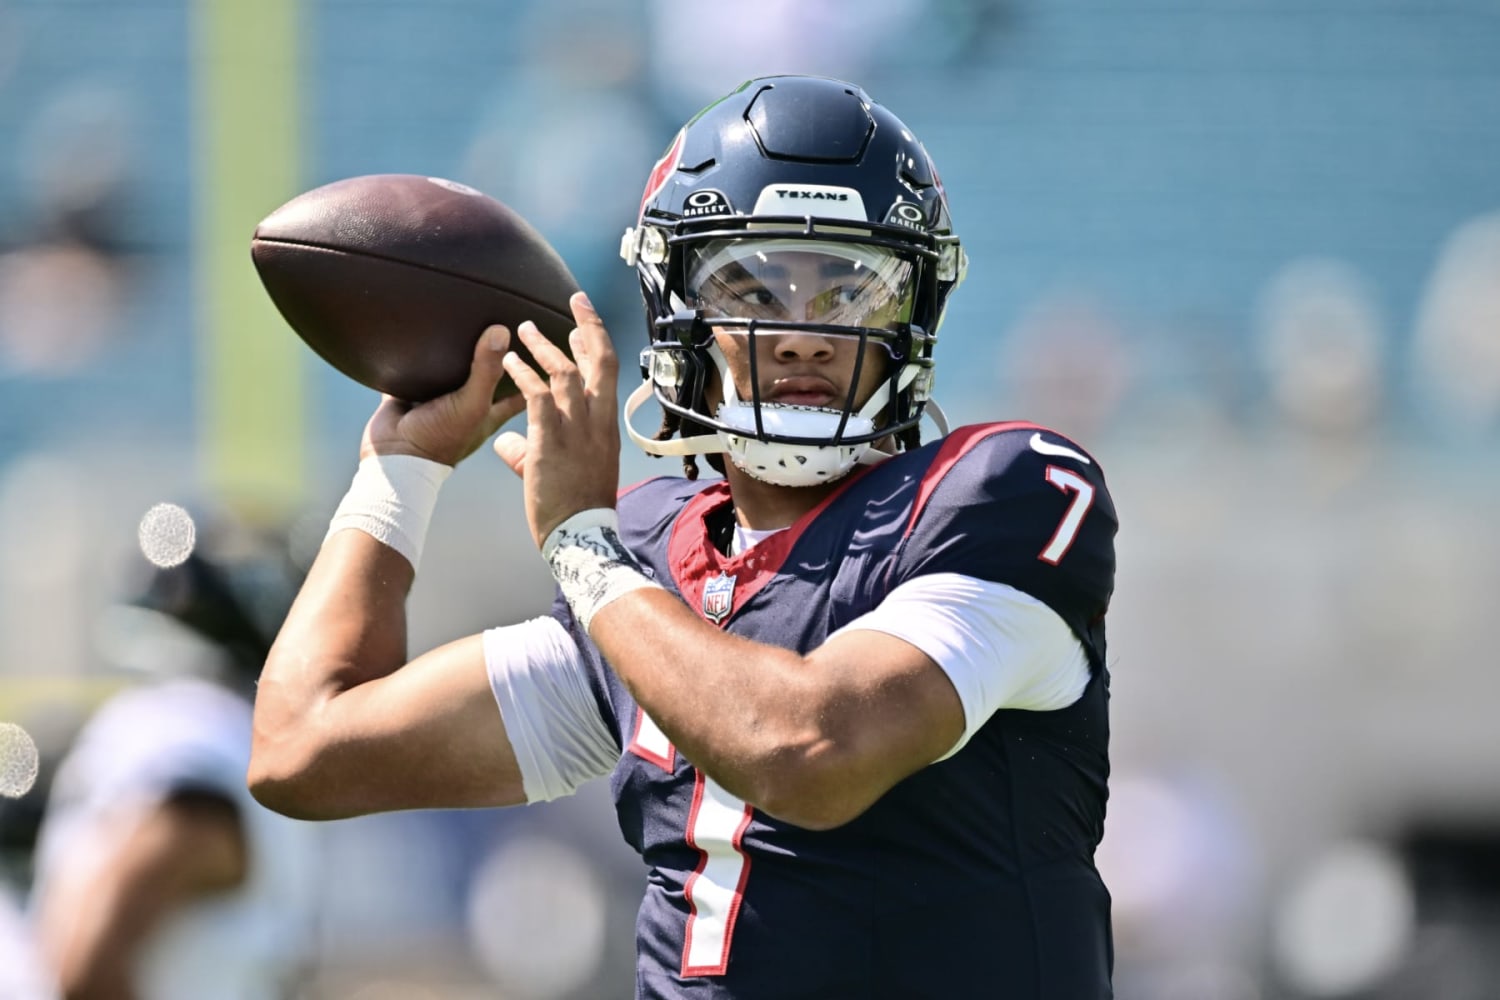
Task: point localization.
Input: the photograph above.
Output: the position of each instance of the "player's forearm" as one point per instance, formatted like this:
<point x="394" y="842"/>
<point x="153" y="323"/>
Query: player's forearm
<point x="764" y="722"/>
<point x="348" y="624"/>
<point x="758" y="719"/>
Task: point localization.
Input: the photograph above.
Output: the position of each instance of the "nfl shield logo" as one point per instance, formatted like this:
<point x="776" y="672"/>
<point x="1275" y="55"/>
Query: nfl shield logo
<point x="718" y="598"/>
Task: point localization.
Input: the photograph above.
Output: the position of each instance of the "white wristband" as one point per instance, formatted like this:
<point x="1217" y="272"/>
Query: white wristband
<point x="590" y="563"/>
<point x="391" y="499"/>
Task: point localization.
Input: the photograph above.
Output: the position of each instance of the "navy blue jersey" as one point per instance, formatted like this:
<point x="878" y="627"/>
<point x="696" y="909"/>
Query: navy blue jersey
<point x="973" y="877"/>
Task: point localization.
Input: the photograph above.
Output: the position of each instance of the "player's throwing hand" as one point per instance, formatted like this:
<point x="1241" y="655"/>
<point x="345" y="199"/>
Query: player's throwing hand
<point x="451" y="427"/>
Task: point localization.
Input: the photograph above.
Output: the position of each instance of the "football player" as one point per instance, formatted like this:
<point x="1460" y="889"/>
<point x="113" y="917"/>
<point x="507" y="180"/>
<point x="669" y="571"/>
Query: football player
<point x="851" y="693"/>
<point x="157" y="875"/>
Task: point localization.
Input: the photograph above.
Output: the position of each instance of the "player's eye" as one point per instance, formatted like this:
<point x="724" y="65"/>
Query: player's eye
<point x="749" y="298"/>
<point x="832" y="301"/>
<point x="757" y="296"/>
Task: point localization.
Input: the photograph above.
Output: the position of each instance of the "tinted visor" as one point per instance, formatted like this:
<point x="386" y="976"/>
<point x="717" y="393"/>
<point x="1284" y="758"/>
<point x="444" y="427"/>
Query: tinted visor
<point x="798" y="281"/>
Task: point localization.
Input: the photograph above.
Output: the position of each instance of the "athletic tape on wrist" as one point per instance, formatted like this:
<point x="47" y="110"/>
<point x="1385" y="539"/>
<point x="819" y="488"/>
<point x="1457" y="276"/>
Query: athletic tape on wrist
<point x="391" y="499"/>
<point x="590" y="563"/>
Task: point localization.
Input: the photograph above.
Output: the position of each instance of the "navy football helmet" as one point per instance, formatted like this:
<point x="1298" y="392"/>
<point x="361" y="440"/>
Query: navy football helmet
<point x="794" y="204"/>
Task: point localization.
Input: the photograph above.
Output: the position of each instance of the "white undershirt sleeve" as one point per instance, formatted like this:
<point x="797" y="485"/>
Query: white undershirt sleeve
<point x="1000" y="647"/>
<point x="556" y="731"/>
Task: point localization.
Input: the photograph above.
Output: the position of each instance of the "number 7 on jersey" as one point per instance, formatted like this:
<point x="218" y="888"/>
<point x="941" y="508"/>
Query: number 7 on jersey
<point x="1067" y="529"/>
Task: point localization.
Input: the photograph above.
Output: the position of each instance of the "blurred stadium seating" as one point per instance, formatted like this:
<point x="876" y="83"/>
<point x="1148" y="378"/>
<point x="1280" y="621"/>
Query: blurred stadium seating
<point x="1248" y="252"/>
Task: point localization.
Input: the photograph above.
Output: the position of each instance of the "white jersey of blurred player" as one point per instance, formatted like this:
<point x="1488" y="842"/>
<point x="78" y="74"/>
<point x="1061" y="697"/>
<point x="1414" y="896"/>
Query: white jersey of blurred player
<point x="21" y="974"/>
<point x="148" y="743"/>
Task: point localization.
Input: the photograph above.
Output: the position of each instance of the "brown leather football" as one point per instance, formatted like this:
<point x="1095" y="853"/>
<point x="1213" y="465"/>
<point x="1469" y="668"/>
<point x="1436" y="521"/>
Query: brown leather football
<point x="391" y="278"/>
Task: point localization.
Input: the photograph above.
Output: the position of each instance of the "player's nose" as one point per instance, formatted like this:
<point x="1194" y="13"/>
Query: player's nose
<point x="801" y="345"/>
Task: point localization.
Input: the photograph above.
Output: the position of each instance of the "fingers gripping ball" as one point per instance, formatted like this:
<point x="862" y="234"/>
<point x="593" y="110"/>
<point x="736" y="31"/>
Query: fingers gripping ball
<point x="391" y="278"/>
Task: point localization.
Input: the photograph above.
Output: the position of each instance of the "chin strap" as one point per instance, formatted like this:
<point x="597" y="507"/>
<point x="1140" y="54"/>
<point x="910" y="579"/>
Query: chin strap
<point x="704" y="444"/>
<point x="935" y="412"/>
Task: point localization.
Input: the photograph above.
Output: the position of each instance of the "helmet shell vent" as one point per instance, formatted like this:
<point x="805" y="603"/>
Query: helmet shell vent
<point x="837" y="133"/>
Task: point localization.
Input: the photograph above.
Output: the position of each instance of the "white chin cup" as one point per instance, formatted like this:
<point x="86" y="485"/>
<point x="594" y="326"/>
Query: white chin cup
<point x="772" y="462"/>
<point x="778" y="464"/>
<point x="792" y="464"/>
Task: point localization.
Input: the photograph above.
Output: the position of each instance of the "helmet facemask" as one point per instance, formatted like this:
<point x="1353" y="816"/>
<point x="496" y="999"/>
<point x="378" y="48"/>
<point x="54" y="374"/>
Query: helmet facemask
<point x="847" y="293"/>
<point x="794" y="209"/>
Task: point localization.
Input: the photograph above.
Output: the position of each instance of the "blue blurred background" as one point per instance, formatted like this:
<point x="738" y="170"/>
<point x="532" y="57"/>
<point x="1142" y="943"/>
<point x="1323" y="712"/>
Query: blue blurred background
<point x="1248" y="251"/>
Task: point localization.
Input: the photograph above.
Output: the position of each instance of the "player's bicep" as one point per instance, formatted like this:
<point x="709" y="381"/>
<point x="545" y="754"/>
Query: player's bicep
<point x="894" y="710"/>
<point x="428" y="736"/>
<point x="997" y="646"/>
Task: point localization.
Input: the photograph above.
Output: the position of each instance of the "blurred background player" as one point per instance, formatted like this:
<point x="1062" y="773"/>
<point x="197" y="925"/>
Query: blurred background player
<point x="22" y="976"/>
<point x="157" y="877"/>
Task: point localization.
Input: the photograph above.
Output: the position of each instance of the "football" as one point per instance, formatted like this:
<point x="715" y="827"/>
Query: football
<point x="391" y="278"/>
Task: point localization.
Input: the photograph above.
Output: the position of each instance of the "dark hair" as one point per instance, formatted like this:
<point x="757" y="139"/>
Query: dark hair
<point x="233" y="590"/>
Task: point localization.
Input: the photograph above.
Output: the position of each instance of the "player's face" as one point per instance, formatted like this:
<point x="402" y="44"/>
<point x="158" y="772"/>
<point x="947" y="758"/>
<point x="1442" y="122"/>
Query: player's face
<point x="802" y="369"/>
<point x="786" y="281"/>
